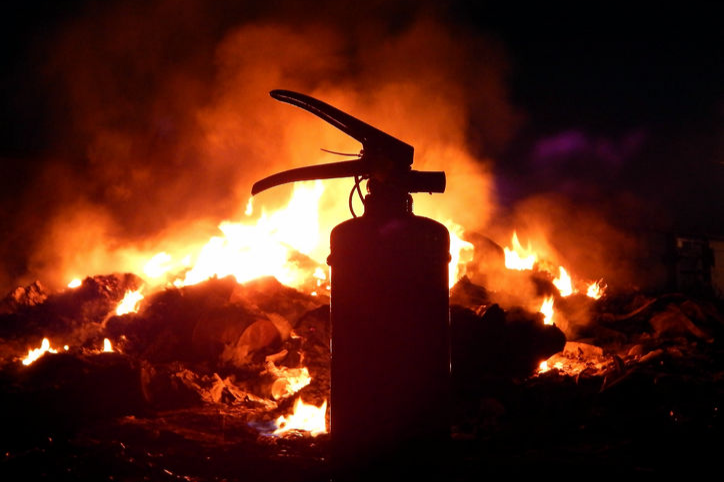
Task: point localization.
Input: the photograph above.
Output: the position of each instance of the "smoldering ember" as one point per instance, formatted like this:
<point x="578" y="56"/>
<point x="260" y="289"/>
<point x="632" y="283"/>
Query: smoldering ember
<point x="157" y="322"/>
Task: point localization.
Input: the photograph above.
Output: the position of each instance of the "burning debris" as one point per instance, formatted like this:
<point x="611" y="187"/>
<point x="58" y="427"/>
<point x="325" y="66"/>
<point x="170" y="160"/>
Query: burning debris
<point x="257" y="355"/>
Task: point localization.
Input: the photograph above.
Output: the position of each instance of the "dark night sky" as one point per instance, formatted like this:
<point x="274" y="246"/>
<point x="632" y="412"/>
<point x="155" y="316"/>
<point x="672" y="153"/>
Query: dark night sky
<point x="614" y="100"/>
<point x="627" y="98"/>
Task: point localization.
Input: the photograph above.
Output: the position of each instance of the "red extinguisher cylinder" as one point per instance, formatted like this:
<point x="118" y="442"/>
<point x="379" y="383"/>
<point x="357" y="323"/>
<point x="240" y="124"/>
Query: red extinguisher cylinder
<point x="390" y="337"/>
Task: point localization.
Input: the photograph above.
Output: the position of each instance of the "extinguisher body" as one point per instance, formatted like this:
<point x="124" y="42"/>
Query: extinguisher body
<point x="390" y="336"/>
<point x="390" y="312"/>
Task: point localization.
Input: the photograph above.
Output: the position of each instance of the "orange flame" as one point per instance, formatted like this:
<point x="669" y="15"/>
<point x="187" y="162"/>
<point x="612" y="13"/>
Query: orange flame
<point x="130" y="303"/>
<point x="308" y="418"/>
<point x="76" y="282"/>
<point x="107" y="348"/>
<point x="519" y="258"/>
<point x="596" y="289"/>
<point x="35" y="353"/>
<point x="547" y="310"/>
<point x="248" y="251"/>
<point x="563" y="282"/>
<point x="460" y="252"/>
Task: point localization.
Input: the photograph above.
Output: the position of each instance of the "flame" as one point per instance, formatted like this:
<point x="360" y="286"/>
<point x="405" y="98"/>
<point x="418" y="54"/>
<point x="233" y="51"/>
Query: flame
<point x="545" y="365"/>
<point x="249" y="251"/>
<point x="35" y="353"/>
<point x="158" y="265"/>
<point x="461" y="252"/>
<point x="308" y="418"/>
<point x="76" y="282"/>
<point x="563" y="282"/>
<point x="130" y="302"/>
<point x="547" y="310"/>
<point x="519" y="258"/>
<point x="596" y="289"/>
<point x="107" y="348"/>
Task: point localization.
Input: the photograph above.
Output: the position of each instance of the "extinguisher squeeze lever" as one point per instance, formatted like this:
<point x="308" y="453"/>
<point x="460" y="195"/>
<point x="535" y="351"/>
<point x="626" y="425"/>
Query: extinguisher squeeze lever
<point x="384" y="159"/>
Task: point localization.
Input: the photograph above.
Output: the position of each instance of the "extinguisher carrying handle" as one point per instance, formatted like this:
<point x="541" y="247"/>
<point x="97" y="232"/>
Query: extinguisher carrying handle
<point x="378" y="147"/>
<point x="383" y="157"/>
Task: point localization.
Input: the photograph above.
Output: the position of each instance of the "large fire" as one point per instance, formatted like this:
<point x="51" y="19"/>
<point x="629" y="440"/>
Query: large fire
<point x="268" y="246"/>
<point x="271" y="245"/>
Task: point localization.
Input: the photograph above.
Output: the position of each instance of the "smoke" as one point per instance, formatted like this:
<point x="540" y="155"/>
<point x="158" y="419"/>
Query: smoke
<point x="162" y="119"/>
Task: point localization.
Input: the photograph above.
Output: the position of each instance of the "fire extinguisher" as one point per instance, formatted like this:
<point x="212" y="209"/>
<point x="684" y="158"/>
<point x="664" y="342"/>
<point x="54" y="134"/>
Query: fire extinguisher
<point x="389" y="308"/>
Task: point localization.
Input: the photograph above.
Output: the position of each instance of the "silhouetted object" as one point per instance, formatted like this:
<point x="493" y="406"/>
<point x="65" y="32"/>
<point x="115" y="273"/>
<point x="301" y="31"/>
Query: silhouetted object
<point x="389" y="304"/>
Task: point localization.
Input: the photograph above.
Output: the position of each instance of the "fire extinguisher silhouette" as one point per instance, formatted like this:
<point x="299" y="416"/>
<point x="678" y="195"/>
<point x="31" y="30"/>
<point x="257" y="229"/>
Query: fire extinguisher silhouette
<point x="389" y="308"/>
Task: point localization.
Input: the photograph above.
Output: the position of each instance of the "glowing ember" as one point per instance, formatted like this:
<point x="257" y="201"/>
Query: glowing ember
<point x="546" y="364"/>
<point x="563" y="282"/>
<point x="577" y="357"/>
<point x="107" y="345"/>
<point x="35" y="353"/>
<point x="289" y="380"/>
<point x="519" y="258"/>
<point x="306" y="417"/>
<point x="75" y="283"/>
<point x="130" y="302"/>
<point x="595" y="290"/>
<point x="547" y="310"/>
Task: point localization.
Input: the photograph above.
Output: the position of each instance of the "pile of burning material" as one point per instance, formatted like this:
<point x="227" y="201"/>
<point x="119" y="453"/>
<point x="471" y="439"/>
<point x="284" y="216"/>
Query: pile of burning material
<point x="636" y="389"/>
<point x="210" y="371"/>
<point x="218" y="343"/>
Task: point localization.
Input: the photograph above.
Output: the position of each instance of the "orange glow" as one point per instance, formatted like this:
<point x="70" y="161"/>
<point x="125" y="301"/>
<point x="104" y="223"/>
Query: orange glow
<point x="563" y="282"/>
<point x="35" y="353"/>
<point x="107" y="345"/>
<point x="596" y="289"/>
<point x="308" y="418"/>
<point x="130" y="303"/>
<point x="547" y="310"/>
<point x="158" y="265"/>
<point x="519" y="258"/>
<point x="75" y="283"/>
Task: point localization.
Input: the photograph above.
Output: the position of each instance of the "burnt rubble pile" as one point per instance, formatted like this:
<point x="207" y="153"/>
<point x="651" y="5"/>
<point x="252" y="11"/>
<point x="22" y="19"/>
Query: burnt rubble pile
<point x="194" y="376"/>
